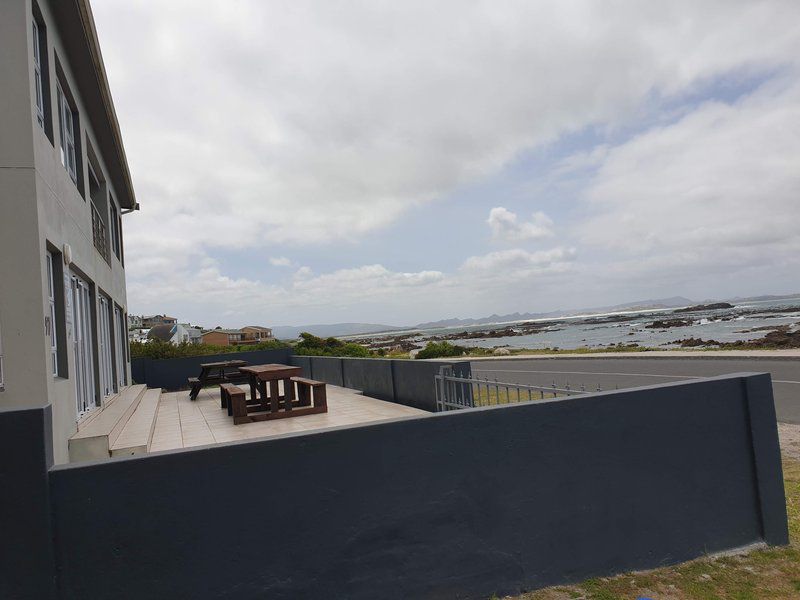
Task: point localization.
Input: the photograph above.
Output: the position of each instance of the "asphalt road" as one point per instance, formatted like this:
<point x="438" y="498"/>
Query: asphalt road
<point x="611" y="373"/>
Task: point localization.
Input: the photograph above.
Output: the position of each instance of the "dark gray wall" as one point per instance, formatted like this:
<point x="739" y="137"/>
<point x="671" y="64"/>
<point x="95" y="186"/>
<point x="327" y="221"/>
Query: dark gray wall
<point x="454" y="505"/>
<point x="27" y="569"/>
<point x="172" y="373"/>
<point x="408" y="382"/>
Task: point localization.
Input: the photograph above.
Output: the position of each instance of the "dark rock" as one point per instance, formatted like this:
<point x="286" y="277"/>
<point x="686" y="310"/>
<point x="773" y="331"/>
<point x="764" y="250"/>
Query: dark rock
<point x="699" y="307"/>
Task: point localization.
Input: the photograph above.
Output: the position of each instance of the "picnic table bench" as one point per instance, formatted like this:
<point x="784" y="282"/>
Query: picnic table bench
<point x="226" y="371"/>
<point x="310" y="398"/>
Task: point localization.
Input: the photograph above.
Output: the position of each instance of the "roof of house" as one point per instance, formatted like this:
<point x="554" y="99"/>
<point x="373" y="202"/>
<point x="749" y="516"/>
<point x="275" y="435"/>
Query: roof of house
<point x="223" y="331"/>
<point x="76" y="24"/>
<point x="258" y="327"/>
<point x="161" y="332"/>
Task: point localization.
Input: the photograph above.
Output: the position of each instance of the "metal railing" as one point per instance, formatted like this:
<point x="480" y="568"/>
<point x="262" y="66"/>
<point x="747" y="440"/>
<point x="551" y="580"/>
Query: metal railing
<point x="99" y="234"/>
<point x="454" y="392"/>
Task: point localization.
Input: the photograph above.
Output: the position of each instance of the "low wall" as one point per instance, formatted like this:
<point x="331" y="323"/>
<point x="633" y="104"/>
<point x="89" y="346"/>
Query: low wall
<point x="172" y="373"/>
<point x="408" y="382"/>
<point x="463" y="504"/>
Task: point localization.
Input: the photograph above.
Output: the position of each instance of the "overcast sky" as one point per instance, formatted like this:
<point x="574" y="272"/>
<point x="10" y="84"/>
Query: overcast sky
<point x="396" y="162"/>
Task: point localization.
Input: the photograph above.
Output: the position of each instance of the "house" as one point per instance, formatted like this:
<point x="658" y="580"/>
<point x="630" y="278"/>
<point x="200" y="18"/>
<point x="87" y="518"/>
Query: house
<point x="195" y="333"/>
<point x="153" y="320"/>
<point x="134" y="322"/>
<point x="251" y="334"/>
<point x="64" y="188"/>
<point x="222" y="337"/>
<point x="174" y="334"/>
<point x="256" y="333"/>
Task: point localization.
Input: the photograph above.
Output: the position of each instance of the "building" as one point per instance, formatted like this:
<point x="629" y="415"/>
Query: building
<point x="222" y="337"/>
<point x="256" y="333"/>
<point x="153" y="320"/>
<point x="252" y="334"/>
<point x="64" y="187"/>
<point x="195" y="333"/>
<point x="174" y="334"/>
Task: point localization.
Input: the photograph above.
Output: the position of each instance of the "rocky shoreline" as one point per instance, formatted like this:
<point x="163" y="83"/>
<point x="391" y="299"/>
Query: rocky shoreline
<point x="779" y="336"/>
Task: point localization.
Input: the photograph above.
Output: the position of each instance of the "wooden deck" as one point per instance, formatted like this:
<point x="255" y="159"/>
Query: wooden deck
<point x="182" y="423"/>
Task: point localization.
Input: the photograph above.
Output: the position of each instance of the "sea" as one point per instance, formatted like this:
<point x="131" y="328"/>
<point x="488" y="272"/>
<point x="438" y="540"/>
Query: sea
<point x="722" y="325"/>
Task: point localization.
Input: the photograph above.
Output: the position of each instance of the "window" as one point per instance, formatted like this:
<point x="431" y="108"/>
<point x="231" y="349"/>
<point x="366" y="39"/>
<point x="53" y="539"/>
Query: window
<point x="37" y="72"/>
<point x="66" y="124"/>
<point x="115" y="241"/>
<point x="51" y="323"/>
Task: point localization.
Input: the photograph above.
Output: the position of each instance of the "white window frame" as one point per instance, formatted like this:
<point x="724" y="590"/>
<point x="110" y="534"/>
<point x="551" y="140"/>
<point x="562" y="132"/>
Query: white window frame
<point x="66" y="126"/>
<point x="114" y="218"/>
<point x="51" y="295"/>
<point x="37" y="72"/>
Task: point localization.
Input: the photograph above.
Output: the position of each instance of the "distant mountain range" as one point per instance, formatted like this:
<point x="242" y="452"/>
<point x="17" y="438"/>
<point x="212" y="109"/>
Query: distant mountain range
<point x="345" y="329"/>
<point x="290" y="332"/>
<point x="341" y="329"/>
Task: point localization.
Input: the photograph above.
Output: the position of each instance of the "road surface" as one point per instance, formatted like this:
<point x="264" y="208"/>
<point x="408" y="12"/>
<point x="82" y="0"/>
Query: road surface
<point x="633" y="371"/>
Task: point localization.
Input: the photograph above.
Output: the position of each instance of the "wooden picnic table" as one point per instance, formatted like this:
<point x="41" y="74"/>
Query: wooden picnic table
<point x="226" y="371"/>
<point x="261" y="375"/>
<point x="265" y="404"/>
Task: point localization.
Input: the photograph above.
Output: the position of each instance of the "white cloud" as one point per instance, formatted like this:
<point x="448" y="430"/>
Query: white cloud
<point x="510" y="262"/>
<point x="717" y="188"/>
<point x="506" y="226"/>
<point x="251" y="126"/>
<point x="280" y="261"/>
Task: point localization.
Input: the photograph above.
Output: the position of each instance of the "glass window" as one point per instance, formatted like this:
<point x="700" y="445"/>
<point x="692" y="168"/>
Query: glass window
<point x="1" y="362"/>
<point x="66" y="124"/>
<point x="51" y="294"/>
<point x="37" y="71"/>
<point x="115" y="241"/>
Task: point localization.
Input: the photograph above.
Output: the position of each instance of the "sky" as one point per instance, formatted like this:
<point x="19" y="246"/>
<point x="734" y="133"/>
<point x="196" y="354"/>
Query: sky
<point x="397" y="162"/>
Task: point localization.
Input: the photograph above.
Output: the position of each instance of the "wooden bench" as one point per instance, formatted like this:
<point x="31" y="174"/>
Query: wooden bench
<point x="228" y="391"/>
<point x="218" y="372"/>
<point x="308" y="388"/>
<point x="311" y="399"/>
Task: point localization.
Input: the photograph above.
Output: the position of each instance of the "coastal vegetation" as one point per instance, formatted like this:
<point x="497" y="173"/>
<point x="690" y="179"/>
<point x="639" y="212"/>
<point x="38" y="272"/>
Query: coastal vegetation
<point x="160" y="349"/>
<point x="311" y="345"/>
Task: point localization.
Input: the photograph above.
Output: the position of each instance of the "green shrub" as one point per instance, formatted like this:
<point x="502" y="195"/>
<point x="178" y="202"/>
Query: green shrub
<point x="159" y="349"/>
<point x="311" y="345"/>
<point x="441" y="349"/>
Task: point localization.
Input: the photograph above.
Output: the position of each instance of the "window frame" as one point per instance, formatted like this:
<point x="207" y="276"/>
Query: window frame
<point x="37" y="72"/>
<point x="53" y="331"/>
<point x="67" y="142"/>
<point x="2" y="381"/>
<point x="116" y="242"/>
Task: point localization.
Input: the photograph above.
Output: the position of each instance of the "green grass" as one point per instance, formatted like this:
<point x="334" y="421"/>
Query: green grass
<point x="771" y="573"/>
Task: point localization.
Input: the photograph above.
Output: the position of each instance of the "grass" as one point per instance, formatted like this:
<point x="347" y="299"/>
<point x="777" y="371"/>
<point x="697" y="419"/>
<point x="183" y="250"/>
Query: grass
<point x="763" y="574"/>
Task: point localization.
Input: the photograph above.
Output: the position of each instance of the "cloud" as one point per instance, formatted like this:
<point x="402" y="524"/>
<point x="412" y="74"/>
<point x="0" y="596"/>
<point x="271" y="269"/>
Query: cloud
<point x="717" y="188"/>
<point x="280" y="261"/>
<point x="514" y="261"/>
<point x="329" y="123"/>
<point x="506" y="226"/>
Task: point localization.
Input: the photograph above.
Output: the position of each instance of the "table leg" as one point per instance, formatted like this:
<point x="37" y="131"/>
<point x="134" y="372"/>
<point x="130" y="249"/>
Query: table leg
<point x="263" y="387"/>
<point x="274" y="395"/>
<point x="288" y="393"/>
<point x="253" y="386"/>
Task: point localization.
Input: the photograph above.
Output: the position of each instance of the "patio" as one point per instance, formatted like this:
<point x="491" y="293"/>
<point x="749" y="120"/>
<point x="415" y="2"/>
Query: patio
<point x="183" y="423"/>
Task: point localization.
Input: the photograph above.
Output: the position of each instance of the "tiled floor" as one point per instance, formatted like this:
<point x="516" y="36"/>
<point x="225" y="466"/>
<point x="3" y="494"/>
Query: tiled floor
<point x="182" y="423"/>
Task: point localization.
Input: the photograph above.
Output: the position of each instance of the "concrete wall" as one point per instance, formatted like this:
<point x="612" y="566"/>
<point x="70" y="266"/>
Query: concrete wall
<point x="41" y="207"/>
<point x="462" y="504"/>
<point x="408" y="382"/>
<point x="172" y="373"/>
<point x="27" y="568"/>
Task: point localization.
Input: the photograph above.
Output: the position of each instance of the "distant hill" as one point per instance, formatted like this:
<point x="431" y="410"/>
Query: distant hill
<point x="290" y="332"/>
<point x="673" y="302"/>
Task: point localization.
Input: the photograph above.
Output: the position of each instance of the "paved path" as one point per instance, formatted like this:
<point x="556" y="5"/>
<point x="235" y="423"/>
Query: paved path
<point x="633" y="371"/>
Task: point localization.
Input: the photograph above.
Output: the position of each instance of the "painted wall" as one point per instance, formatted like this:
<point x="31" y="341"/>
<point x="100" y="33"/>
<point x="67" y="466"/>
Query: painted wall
<point x="463" y="504"/>
<point x="42" y="208"/>
<point x="172" y="373"/>
<point x="408" y="382"/>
